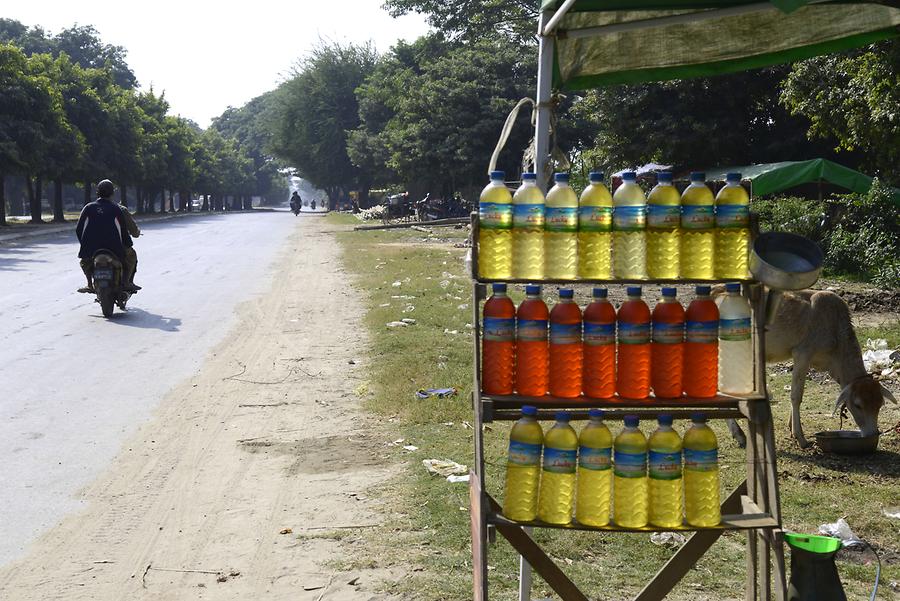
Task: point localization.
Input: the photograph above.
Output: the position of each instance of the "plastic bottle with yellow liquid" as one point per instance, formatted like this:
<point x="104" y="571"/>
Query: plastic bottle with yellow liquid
<point x="557" y="494"/>
<point x="665" y="475"/>
<point x="594" y="485"/>
<point x="528" y="230"/>
<point x="663" y="229"/>
<point x="630" y="492"/>
<point x="732" y="230"/>
<point x="561" y="231"/>
<point x="701" y="474"/>
<point x="495" y="213"/>
<point x="629" y="253"/>
<point x="595" y="211"/>
<point x="698" y="231"/>
<point x="523" y="467"/>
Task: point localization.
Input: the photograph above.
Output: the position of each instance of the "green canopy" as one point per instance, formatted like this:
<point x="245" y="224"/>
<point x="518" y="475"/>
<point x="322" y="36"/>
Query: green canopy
<point x="600" y="42"/>
<point x="770" y="178"/>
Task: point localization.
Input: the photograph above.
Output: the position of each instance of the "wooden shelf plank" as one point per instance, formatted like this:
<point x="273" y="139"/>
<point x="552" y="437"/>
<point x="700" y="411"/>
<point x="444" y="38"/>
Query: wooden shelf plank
<point x="737" y="521"/>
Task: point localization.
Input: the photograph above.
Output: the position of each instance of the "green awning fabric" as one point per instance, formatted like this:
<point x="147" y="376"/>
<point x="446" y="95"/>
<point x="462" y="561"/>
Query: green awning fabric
<point x="601" y="42"/>
<point x="770" y="178"/>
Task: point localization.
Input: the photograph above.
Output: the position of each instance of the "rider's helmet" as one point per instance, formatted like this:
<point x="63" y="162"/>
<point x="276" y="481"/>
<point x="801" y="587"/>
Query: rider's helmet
<point x="105" y="189"/>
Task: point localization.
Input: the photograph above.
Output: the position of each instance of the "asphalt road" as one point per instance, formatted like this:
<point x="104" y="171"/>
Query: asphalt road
<point x="74" y="385"/>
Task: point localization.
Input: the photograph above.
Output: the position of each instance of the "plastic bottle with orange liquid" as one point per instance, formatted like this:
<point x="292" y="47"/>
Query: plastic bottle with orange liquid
<point x="565" y="346"/>
<point x="498" y="343"/>
<point x="532" y="344"/>
<point x="633" y="369"/>
<point x="599" y="370"/>
<point x="667" y="347"/>
<point x="701" y="346"/>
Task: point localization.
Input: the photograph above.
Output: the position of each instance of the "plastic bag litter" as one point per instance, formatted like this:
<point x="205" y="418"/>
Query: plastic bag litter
<point x="891" y="512"/>
<point x="839" y="529"/>
<point x="397" y="324"/>
<point x="441" y="393"/>
<point x="668" y="539"/>
<point x="444" y="467"/>
<point x="408" y="321"/>
<point x="879" y="359"/>
<point x="455" y="479"/>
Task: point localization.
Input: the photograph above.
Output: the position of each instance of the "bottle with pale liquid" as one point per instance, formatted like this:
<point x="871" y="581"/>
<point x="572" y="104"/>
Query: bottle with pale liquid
<point x="595" y="213"/>
<point x="629" y="230"/>
<point x="630" y="487"/>
<point x="735" y="343"/>
<point x="663" y="229"/>
<point x="523" y="467"/>
<point x="732" y="230"/>
<point x="561" y="231"/>
<point x="495" y="215"/>
<point x="594" y="484"/>
<point x="665" y="475"/>
<point x="701" y="474"/>
<point x="557" y="494"/>
<point x="698" y="229"/>
<point x="528" y="230"/>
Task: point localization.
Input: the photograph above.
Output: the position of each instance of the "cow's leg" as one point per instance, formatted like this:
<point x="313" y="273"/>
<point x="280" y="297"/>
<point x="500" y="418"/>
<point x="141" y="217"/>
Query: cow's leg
<point x="798" y="381"/>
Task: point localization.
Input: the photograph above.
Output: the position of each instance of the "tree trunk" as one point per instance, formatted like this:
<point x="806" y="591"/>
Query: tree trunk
<point x="205" y="205"/>
<point x="87" y="192"/>
<point x="2" y="200"/>
<point x="123" y="195"/>
<point x="36" y="201"/>
<point x="29" y="187"/>
<point x="58" y="212"/>
<point x="190" y="201"/>
<point x="150" y="202"/>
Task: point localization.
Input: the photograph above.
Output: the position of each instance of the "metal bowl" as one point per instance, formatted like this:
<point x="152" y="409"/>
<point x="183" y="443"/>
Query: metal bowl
<point x="785" y="261"/>
<point x="846" y="442"/>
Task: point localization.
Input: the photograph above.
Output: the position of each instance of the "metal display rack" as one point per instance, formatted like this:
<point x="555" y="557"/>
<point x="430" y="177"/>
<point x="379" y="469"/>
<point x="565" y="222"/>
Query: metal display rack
<point x="753" y="507"/>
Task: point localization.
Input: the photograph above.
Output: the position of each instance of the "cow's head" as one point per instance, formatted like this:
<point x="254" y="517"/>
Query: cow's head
<point x="864" y="398"/>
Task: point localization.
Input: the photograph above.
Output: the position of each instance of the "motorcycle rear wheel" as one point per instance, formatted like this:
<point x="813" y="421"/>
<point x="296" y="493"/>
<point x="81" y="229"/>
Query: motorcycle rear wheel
<point x="107" y="301"/>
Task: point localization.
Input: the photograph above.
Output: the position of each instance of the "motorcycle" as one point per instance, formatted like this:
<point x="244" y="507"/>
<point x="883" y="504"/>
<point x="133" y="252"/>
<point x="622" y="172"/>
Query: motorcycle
<point x="108" y="282"/>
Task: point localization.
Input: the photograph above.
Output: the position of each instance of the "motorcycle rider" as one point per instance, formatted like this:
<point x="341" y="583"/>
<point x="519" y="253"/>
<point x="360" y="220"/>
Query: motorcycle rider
<point x="102" y="226"/>
<point x="295" y="201"/>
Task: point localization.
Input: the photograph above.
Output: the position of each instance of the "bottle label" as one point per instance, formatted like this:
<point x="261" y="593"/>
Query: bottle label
<point x="734" y="330"/>
<point x="561" y="219"/>
<point x="495" y="216"/>
<point x="668" y="333"/>
<point x="634" y="333"/>
<point x="565" y="333"/>
<point x="528" y="217"/>
<point x="524" y="454"/>
<point x="599" y="334"/>
<point x="703" y="332"/>
<point x="559" y="461"/>
<point x="590" y="458"/>
<point x="733" y="216"/>
<point x="595" y="219"/>
<point x="499" y="329"/>
<point x="630" y="219"/>
<point x="630" y="465"/>
<point x="665" y="466"/>
<point x="701" y="461"/>
<point x="532" y="330"/>
<point x="698" y="217"/>
<point x="663" y="217"/>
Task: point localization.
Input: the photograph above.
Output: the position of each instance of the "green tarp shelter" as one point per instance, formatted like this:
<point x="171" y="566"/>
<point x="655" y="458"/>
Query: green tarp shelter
<point x="770" y="178"/>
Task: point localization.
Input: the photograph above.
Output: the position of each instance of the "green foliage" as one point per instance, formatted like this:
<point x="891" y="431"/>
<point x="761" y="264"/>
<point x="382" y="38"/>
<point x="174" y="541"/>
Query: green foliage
<point x="793" y="214"/>
<point x="471" y="20"/>
<point x="853" y="97"/>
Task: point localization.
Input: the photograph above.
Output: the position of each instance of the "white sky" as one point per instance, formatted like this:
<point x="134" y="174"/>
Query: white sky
<point x="208" y="56"/>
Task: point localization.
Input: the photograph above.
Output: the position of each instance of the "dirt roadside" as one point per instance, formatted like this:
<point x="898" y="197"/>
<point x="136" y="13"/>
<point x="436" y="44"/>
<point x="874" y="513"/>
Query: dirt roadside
<point x="267" y="437"/>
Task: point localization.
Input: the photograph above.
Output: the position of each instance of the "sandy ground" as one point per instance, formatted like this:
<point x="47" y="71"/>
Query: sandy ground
<point x="266" y="437"/>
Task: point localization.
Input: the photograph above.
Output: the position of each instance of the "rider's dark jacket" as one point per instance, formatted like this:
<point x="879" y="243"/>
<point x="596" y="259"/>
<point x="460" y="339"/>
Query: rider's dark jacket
<point x="101" y="226"/>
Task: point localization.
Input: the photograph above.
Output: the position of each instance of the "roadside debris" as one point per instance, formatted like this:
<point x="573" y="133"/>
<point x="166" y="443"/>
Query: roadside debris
<point x="839" y="529"/>
<point x="457" y="479"/>
<point x="881" y="360"/>
<point x="668" y="539"/>
<point x="891" y="512"/>
<point x="441" y="393"/>
<point x="444" y="467"/>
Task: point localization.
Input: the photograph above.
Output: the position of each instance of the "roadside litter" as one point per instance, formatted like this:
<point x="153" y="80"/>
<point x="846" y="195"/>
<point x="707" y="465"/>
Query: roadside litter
<point x="881" y="360"/>
<point x="444" y="467"/>
<point x="668" y="539"/>
<point x="441" y="393"/>
<point x="839" y="529"/>
<point x="456" y="479"/>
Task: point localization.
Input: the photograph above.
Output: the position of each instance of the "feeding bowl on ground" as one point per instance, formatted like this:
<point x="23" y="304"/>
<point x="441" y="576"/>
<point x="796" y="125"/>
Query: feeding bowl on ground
<point x="846" y="442"/>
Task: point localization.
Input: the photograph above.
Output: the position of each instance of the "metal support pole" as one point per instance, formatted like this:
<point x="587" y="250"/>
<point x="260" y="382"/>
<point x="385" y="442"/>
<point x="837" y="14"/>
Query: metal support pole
<point x="544" y="82"/>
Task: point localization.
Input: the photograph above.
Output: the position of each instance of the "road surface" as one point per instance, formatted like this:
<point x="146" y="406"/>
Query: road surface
<point x="76" y="385"/>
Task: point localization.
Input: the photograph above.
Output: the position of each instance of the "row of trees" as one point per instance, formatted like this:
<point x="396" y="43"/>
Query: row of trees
<point x="70" y="112"/>
<point x="426" y="115"/>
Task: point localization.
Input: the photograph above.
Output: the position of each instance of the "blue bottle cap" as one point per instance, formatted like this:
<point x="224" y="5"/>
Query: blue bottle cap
<point x="532" y="289"/>
<point x="669" y="292"/>
<point x="598" y="413"/>
<point x="632" y="421"/>
<point x="698" y="176"/>
<point x="529" y="176"/>
<point x="698" y="418"/>
<point x="529" y="410"/>
<point x="628" y="175"/>
<point x="600" y="292"/>
<point x="499" y="288"/>
<point x="633" y="291"/>
<point x="702" y="290"/>
<point x="733" y="287"/>
<point x="566" y="293"/>
<point x="664" y="177"/>
<point x="498" y="174"/>
<point x="733" y="177"/>
<point x="664" y="419"/>
<point x="561" y="177"/>
<point x="563" y="416"/>
<point x="596" y="176"/>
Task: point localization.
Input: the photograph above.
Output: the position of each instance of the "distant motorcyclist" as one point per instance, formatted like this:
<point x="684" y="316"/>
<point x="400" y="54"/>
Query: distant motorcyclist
<point x="295" y="201"/>
<point x="102" y="226"/>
